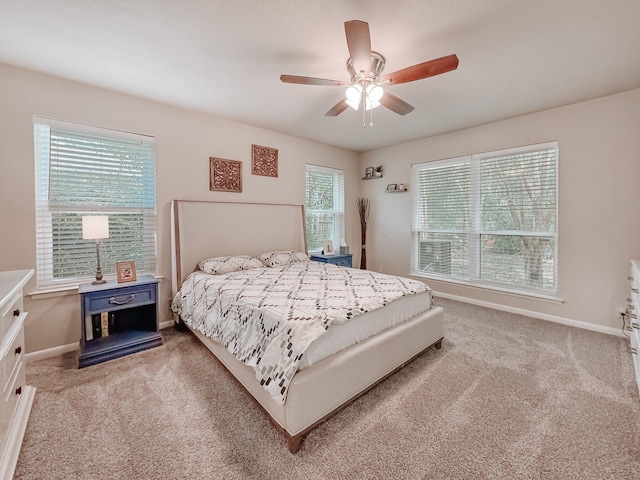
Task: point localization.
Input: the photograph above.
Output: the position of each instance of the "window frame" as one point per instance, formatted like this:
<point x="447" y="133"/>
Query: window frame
<point x="138" y="213"/>
<point x="338" y="212"/>
<point x="475" y="230"/>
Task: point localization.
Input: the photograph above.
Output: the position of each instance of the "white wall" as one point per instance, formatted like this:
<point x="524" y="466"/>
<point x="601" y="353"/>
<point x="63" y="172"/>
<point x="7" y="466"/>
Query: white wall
<point x="184" y="142"/>
<point x="599" y="229"/>
<point x="599" y="194"/>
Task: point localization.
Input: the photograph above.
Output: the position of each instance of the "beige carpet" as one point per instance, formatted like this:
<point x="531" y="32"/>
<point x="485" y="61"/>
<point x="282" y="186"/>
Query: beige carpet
<point x="506" y="397"/>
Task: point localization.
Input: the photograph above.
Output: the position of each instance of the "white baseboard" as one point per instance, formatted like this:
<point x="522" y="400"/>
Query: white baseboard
<point x="62" y="349"/>
<point x="51" y="352"/>
<point x="529" y="313"/>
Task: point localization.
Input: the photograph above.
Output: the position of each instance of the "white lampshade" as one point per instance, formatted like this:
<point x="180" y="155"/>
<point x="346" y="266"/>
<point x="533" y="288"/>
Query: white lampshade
<point x="95" y="227"/>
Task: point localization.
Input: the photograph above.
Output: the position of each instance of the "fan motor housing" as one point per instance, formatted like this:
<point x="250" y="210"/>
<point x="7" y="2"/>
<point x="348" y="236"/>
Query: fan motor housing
<point x="377" y="65"/>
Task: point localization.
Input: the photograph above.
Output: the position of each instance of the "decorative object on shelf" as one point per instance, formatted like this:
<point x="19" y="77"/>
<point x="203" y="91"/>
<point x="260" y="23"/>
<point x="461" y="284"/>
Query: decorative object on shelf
<point x="363" y="210"/>
<point x="264" y="161"/>
<point x="225" y="175"/>
<point x="401" y="187"/>
<point x="327" y="247"/>
<point x="392" y="187"/>
<point x="126" y="271"/>
<point x="368" y="173"/>
<point x="377" y="172"/>
<point x="96" y="227"/>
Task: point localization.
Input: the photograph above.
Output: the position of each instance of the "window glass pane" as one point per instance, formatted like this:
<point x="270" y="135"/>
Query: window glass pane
<point x="444" y="254"/>
<point x="518" y="260"/>
<point x="519" y="192"/>
<point x="444" y="197"/>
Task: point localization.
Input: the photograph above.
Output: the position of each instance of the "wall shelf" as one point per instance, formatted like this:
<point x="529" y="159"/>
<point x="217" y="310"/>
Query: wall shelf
<point x="371" y="178"/>
<point x="396" y="191"/>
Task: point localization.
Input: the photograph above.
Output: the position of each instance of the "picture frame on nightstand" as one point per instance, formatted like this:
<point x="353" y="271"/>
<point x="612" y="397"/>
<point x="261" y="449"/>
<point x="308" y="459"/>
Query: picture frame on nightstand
<point x="327" y="247"/>
<point x="126" y="271"/>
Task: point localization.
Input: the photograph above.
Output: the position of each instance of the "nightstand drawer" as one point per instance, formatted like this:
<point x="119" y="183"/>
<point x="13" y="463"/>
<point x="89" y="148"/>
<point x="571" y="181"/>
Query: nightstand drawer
<point x="125" y="297"/>
<point x="340" y="260"/>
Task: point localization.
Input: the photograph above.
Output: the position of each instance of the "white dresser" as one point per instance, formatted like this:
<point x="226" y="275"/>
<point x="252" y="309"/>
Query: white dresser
<point x="17" y="397"/>
<point x="633" y="310"/>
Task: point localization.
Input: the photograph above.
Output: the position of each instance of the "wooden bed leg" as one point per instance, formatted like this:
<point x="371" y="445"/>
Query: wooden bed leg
<point x="438" y="344"/>
<point x="294" y="443"/>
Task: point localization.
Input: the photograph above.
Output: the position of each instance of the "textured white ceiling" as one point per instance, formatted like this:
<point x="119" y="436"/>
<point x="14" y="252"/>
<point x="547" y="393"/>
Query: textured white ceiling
<point x="226" y="57"/>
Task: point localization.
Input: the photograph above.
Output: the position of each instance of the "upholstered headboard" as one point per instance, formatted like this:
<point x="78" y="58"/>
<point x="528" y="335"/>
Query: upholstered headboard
<point x="202" y="229"/>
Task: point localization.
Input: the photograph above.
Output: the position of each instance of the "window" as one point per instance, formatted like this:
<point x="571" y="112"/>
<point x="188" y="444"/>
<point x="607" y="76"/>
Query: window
<point x="87" y="171"/>
<point x="324" y="206"/>
<point x="489" y="219"/>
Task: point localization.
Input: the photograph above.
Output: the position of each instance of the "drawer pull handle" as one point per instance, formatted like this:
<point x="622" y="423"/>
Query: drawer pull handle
<point x="634" y="290"/>
<point x="631" y="307"/>
<point x="115" y="301"/>
<point x="16" y="312"/>
<point x="633" y="315"/>
<point x="635" y="325"/>
<point x="19" y="391"/>
<point x="630" y="279"/>
<point x="18" y="350"/>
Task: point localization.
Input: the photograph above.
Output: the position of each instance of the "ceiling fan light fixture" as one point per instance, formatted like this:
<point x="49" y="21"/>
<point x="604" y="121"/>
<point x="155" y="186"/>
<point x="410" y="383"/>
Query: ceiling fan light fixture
<point x="354" y="93"/>
<point x="374" y="93"/>
<point x="369" y="104"/>
<point x="353" y="104"/>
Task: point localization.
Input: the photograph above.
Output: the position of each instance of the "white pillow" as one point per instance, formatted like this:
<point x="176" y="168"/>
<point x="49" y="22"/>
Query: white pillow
<point x="282" y="257"/>
<point x="234" y="263"/>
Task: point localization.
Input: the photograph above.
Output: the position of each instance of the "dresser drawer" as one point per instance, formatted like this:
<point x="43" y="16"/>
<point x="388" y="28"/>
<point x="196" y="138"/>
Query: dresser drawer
<point x="10" y="312"/>
<point x="12" y="360"/>
<point x="126" y="297"/>
<point x="15" y="388"/>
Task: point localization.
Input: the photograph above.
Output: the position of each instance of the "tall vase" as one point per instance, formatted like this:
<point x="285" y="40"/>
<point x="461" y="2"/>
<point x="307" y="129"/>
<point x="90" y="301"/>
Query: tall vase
<point x="363" y="210"/>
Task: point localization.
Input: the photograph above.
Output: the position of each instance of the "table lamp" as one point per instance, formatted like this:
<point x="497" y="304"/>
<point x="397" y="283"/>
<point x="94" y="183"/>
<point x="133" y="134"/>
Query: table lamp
<point x="95" y="227"/>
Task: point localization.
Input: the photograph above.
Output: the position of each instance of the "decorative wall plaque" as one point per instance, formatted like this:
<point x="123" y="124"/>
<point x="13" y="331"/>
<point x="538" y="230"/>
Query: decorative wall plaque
<point x="264" y="161"/>
<point x="225" y="175"/>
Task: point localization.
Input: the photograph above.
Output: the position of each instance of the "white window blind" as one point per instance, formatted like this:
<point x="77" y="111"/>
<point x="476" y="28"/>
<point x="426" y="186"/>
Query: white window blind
<point x="489" y="219"/>
<point x="324" y="206"/>
<point x="87" y="171"/>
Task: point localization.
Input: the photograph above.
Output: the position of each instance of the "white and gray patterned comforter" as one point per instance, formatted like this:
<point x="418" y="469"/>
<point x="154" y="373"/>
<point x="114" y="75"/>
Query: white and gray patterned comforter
<point x="267" y="317"/>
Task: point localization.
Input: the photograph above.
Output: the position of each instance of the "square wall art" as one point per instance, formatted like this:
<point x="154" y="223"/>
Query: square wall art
<point x="264" y="161"/>
<point x="225" y="175"/>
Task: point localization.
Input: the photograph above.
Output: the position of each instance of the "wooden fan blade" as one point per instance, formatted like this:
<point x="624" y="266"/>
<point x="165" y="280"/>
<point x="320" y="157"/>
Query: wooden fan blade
<point x="359" y="43"/>
<point x="337" y="109"/>
<point x="422" y="70"/>
<point x="311" y="81"/>
<point x="395" y="104"/>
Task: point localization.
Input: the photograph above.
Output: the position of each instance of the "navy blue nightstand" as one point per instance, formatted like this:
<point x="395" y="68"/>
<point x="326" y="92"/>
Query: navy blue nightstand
<point x="337" y="259"/>
<point x="118" y="319"/>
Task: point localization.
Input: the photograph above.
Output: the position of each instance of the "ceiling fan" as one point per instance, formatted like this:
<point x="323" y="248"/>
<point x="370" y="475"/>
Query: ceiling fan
<point x="365" y="68"/>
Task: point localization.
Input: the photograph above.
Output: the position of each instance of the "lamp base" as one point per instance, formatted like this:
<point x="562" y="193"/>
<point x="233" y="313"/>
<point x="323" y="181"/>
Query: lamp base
<point x="98" y="282"/>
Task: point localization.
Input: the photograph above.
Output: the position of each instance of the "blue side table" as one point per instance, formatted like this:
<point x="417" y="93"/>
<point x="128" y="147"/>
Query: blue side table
<point x="341" y="260"/>
<point x="118" y="319"/>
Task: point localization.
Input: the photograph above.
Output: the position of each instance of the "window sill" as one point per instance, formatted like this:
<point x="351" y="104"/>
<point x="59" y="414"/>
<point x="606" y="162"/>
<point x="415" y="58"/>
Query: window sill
<point x="505" y="291"/>
<point x="63" y="291"/>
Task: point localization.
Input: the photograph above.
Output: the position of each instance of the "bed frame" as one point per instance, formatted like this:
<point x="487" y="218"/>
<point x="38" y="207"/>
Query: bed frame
<point x="207" y="229"/>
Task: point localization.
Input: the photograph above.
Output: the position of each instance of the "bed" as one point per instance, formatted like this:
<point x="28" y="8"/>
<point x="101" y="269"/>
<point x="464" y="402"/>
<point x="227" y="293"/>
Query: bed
<point x="339" y="364"/>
